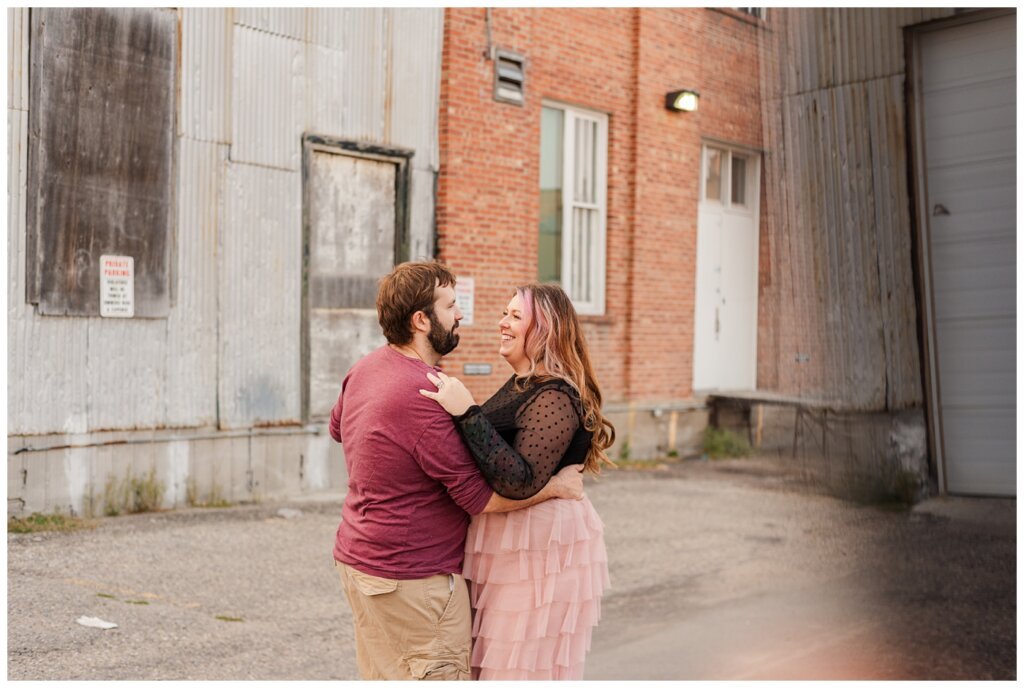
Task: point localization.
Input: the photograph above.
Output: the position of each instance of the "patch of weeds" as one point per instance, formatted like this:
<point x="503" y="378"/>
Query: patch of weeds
<point x="233" y="619"/>
<point x="105" y="596"/>
<point x="91" y="503"/>
<point x="114" y="496"/>
<point x="216" y="499"/>
<point x="644" y="465"/>
<point x="658" y="464"/>
<point x="672" y="454"/>
<point x="143" y="602"/>
<point x="719" y="443"/>
<point x="39" y="523"/>
<point x="147" y="493"/>
<point x="133" y="495"/>
<point x="625" y="451"/>
<point x="890" y="490"/>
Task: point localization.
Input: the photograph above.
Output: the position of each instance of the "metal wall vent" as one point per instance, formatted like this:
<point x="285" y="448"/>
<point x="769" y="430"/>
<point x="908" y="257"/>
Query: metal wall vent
<point x="509" y="77"/>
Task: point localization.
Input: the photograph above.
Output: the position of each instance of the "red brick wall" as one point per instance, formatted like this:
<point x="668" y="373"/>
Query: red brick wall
<point x="621" y="62"/>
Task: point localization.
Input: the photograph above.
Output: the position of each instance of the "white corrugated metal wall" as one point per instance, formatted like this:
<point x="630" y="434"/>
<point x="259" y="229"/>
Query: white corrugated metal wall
<point x="253" y="81"/>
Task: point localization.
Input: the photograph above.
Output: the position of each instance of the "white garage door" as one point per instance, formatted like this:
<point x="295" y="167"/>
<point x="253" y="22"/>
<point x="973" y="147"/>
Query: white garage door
<point x="968" y="98"/>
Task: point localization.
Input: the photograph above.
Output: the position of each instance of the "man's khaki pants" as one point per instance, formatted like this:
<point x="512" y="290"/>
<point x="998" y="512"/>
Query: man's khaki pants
<point x="409" y="629"/>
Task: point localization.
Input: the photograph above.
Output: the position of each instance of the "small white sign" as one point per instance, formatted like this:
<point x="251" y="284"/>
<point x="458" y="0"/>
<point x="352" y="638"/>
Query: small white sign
<point x="117" y="286"/>
<point x="464" y="299"/>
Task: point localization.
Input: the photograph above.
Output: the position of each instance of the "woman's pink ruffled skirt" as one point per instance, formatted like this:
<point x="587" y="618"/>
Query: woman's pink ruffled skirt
<point x="537" y="578"/>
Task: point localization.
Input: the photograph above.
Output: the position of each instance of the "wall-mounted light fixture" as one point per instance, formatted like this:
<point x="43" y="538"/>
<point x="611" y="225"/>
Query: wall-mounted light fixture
<point x="682" y="101"/>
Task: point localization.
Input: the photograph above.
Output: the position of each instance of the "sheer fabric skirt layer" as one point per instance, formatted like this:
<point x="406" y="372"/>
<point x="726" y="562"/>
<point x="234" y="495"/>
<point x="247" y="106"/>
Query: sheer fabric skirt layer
<point x="537" y="576"/>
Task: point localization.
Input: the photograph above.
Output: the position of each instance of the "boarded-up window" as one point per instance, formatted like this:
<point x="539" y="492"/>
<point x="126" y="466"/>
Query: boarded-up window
<point x="355" y="206"/>
<point x="101" y="155"/>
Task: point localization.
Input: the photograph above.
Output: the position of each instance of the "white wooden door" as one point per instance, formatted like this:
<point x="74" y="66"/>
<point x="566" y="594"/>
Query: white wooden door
<point x="725" y="317"/>
<point x="968" y="106"/>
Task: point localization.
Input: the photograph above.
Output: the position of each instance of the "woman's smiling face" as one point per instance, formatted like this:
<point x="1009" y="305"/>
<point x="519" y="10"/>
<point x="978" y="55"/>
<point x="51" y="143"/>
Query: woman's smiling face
<point x="513" y="327"/>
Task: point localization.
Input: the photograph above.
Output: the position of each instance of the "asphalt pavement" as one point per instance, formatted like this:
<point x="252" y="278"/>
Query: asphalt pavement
<point x="732" y="569"/>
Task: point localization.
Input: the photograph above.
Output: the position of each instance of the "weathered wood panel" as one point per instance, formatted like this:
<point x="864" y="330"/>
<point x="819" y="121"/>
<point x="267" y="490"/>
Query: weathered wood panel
<point x="841" y="254"/>
<point x="102" y="154"/>
<point x="825" y="47"/>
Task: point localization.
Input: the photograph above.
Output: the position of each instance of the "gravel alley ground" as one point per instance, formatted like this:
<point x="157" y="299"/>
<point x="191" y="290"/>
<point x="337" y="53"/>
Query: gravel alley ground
<point x="720" y="570"/>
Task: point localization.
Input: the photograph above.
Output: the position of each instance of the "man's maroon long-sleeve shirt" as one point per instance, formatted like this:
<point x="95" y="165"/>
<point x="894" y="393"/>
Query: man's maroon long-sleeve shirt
<point x="411" y="482"/>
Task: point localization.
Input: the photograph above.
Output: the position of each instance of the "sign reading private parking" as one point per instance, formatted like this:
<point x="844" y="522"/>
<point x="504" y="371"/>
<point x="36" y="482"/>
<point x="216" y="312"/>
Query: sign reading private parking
<point x="464" y="299"/>
<point x="117" y="286"/>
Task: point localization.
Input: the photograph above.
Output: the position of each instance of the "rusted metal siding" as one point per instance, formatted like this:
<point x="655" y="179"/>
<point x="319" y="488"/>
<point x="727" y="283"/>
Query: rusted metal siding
<point x="126" y="372"/>
<point x="838" y="207"/>
<point x="259" y="300"/>
<point x="229" y="348"/>
<point x="268" y="99"/>
<point x="417" y="36"/>
<point x="352" y="49"/>
<point x="366" y="41"/>
<point x="329" y="103"/>
<point x="422" y="227"/>
<point x="290" y="23"/>
<point x="416" y="39"/>
<point x="46" y="357"/>
<point x="191" y="394"/>
<point x="207" y="38"/>
<point x="386" y="64"/>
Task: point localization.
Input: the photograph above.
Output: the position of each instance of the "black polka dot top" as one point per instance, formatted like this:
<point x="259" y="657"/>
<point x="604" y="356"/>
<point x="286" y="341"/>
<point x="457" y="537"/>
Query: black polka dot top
<point x="526" y="433"/>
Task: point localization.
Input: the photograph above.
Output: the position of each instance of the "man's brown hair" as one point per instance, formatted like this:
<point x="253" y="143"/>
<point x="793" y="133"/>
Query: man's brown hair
<point x="407" y="289"/>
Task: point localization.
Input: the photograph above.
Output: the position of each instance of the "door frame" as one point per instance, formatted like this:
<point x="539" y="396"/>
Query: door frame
<point x="401" y="159"/>
<point x="754" y="189"/>
<point x="921" y="254"/>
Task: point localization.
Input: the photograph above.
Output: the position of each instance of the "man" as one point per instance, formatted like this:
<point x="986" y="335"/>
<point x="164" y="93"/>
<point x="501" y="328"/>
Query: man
<point x="412" y="486"/>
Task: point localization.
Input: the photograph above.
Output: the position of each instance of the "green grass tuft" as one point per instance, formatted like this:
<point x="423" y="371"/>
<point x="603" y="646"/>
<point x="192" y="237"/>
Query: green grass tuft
<point x="719" y="443"/>
<point x="133" y="495"/>
<point x="39" y="523"/>
<point x="625" y="451"/>
<point x="214" y="501"/>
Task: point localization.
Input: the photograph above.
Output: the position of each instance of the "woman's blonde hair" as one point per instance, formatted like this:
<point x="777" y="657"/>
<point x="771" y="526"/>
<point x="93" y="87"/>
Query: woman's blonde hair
<point x="554" y="336"/>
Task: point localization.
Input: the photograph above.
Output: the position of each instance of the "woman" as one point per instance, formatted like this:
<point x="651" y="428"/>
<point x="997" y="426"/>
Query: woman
<point x="536" y="574"/>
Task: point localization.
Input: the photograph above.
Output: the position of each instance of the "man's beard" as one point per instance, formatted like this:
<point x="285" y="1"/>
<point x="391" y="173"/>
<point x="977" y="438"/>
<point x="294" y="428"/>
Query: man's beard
<point x="443" y="341"/>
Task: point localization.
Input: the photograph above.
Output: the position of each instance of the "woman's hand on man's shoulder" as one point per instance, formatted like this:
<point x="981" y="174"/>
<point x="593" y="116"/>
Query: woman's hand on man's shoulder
<point x="451" y="394"/>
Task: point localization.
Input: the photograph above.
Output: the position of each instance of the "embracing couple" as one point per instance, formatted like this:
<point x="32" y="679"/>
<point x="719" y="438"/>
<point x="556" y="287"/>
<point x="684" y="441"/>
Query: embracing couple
<point x="442" y="491"/>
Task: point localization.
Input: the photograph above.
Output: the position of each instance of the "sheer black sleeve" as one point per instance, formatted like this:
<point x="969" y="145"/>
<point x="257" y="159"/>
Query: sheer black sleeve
<point x="545" y="426"/>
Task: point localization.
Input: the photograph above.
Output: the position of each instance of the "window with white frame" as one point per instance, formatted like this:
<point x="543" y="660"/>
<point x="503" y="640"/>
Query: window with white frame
<point x="573" y="205"/>
<point x="728" y="178"/>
